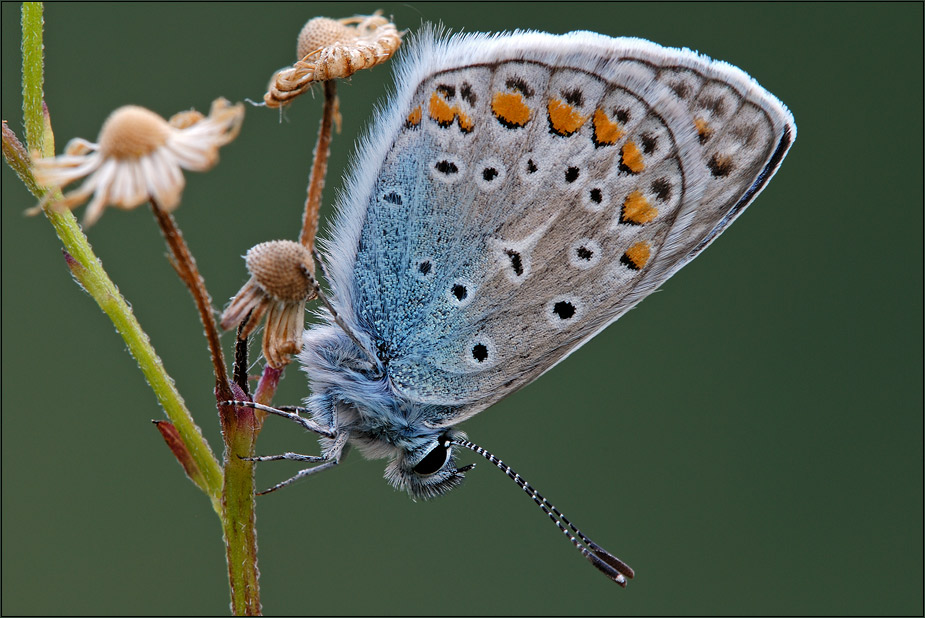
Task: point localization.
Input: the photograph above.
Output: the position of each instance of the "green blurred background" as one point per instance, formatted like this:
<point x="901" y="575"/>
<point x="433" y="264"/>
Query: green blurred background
<point x="766" y="460"/>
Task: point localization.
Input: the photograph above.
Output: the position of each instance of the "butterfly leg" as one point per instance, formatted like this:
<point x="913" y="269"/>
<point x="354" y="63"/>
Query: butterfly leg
<point x="288" y="456"/>
<point x="320" y="262"/>
<point x="290" y="412"/>
<point x="300" y="475"/>
<point x="330" y="458"/>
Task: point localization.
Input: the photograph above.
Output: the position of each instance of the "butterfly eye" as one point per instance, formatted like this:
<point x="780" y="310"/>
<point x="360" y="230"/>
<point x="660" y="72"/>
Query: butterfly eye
<point x="433" y="461"/>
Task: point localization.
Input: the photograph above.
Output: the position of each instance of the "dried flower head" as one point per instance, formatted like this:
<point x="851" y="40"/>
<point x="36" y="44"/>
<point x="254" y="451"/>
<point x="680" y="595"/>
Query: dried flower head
<point x="330" y="49"/>
<point x="138" y="157"/>
<point x="282" y="281"/>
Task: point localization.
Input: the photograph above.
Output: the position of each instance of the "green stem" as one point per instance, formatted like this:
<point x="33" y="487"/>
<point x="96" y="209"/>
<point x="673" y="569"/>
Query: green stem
<point x="33" y="76"/>
<point x="19" y="160"/>
<point x="240" y="429"/>
<point x="88" y="271"/>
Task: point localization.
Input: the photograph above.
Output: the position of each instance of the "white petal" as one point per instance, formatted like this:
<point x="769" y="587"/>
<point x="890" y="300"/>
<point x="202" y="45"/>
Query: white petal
<point x="79" y="147"/>
<point x="165" y="180"/>
<point x="65" y="169"/>
<point x="193" y="155"/>
<point x="95" y="208"/>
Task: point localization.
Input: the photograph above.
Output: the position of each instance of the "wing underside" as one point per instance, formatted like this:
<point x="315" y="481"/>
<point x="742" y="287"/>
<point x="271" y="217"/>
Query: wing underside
<point x="536" y="192"/>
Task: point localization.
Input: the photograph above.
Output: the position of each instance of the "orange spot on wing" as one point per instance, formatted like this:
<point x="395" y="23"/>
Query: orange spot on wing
<point x="510" y="109"/>
<point x="606" y="131"/>
<point x="720" y="165"/>
<point x="637" y="209"/>
<point x="704" y="130"/>
<point x="414" y="118"/>
<point x="563" y="118"/>
<point x="440" y="110"/>
<point x="632" y="158"/>
<point x="637" y="256"/>
<point x="444" y="114"/>
<point x="465" y="123"/>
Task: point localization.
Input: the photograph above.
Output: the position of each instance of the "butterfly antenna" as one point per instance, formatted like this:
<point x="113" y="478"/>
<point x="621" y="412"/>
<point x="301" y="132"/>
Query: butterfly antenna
<point x="320" y="262"/>
<point x="604" y="561"/>
<point x="373" y="361"/>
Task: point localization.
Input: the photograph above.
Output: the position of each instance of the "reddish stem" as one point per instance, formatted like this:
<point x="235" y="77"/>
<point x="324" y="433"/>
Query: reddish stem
<point x="319" y="167"/>
<point x="266" y="388"/>
<point x="185" y="265"/>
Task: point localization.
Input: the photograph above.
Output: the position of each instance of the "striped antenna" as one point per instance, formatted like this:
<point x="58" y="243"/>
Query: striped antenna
<point x="604" y="561"/>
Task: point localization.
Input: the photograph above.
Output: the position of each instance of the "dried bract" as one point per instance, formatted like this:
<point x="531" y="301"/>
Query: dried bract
<point x="282" y="281"/>
<point x="331" y="49"/>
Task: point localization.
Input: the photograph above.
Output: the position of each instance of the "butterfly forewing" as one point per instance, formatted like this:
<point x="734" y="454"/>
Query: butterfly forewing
<point x="534" y="193"/>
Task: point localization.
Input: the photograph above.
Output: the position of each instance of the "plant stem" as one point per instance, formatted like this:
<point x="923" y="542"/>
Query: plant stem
<point x="19" y="161"/>
<point x="319" y="166"/>
<point x="239" y="373"/>
<point x="266" y="387"/>
<point x="239" y="431"/>
<point x="88" y="271"/>
<point x="33" y="78"/>
<point x="185" y="265"/>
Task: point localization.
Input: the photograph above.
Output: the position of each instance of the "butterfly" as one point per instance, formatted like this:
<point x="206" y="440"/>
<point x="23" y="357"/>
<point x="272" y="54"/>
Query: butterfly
<point x="517" y="194"/>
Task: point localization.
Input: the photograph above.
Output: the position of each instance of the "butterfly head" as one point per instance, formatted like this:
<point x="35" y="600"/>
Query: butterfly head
<point x="380" y="422"/>
<point x="422" y="459"/>
<point x="428" y="469"/>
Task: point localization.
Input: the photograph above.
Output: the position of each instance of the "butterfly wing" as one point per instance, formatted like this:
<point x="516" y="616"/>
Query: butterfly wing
<point x="523" y="191"/>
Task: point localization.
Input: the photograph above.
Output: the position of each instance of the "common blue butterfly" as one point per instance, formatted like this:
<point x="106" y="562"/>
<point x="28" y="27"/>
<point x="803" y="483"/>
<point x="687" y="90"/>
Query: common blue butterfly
<point x="517" y="194"/>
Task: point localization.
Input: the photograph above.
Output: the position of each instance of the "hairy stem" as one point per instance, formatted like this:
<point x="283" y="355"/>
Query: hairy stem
<point x="89" y="273"/>
<point x="185" y="265"/>
<point x="239" y="431"/>
<point x="319" y="166"/>
<point x="86" y="267"/>
<point x="33" y="78"/>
